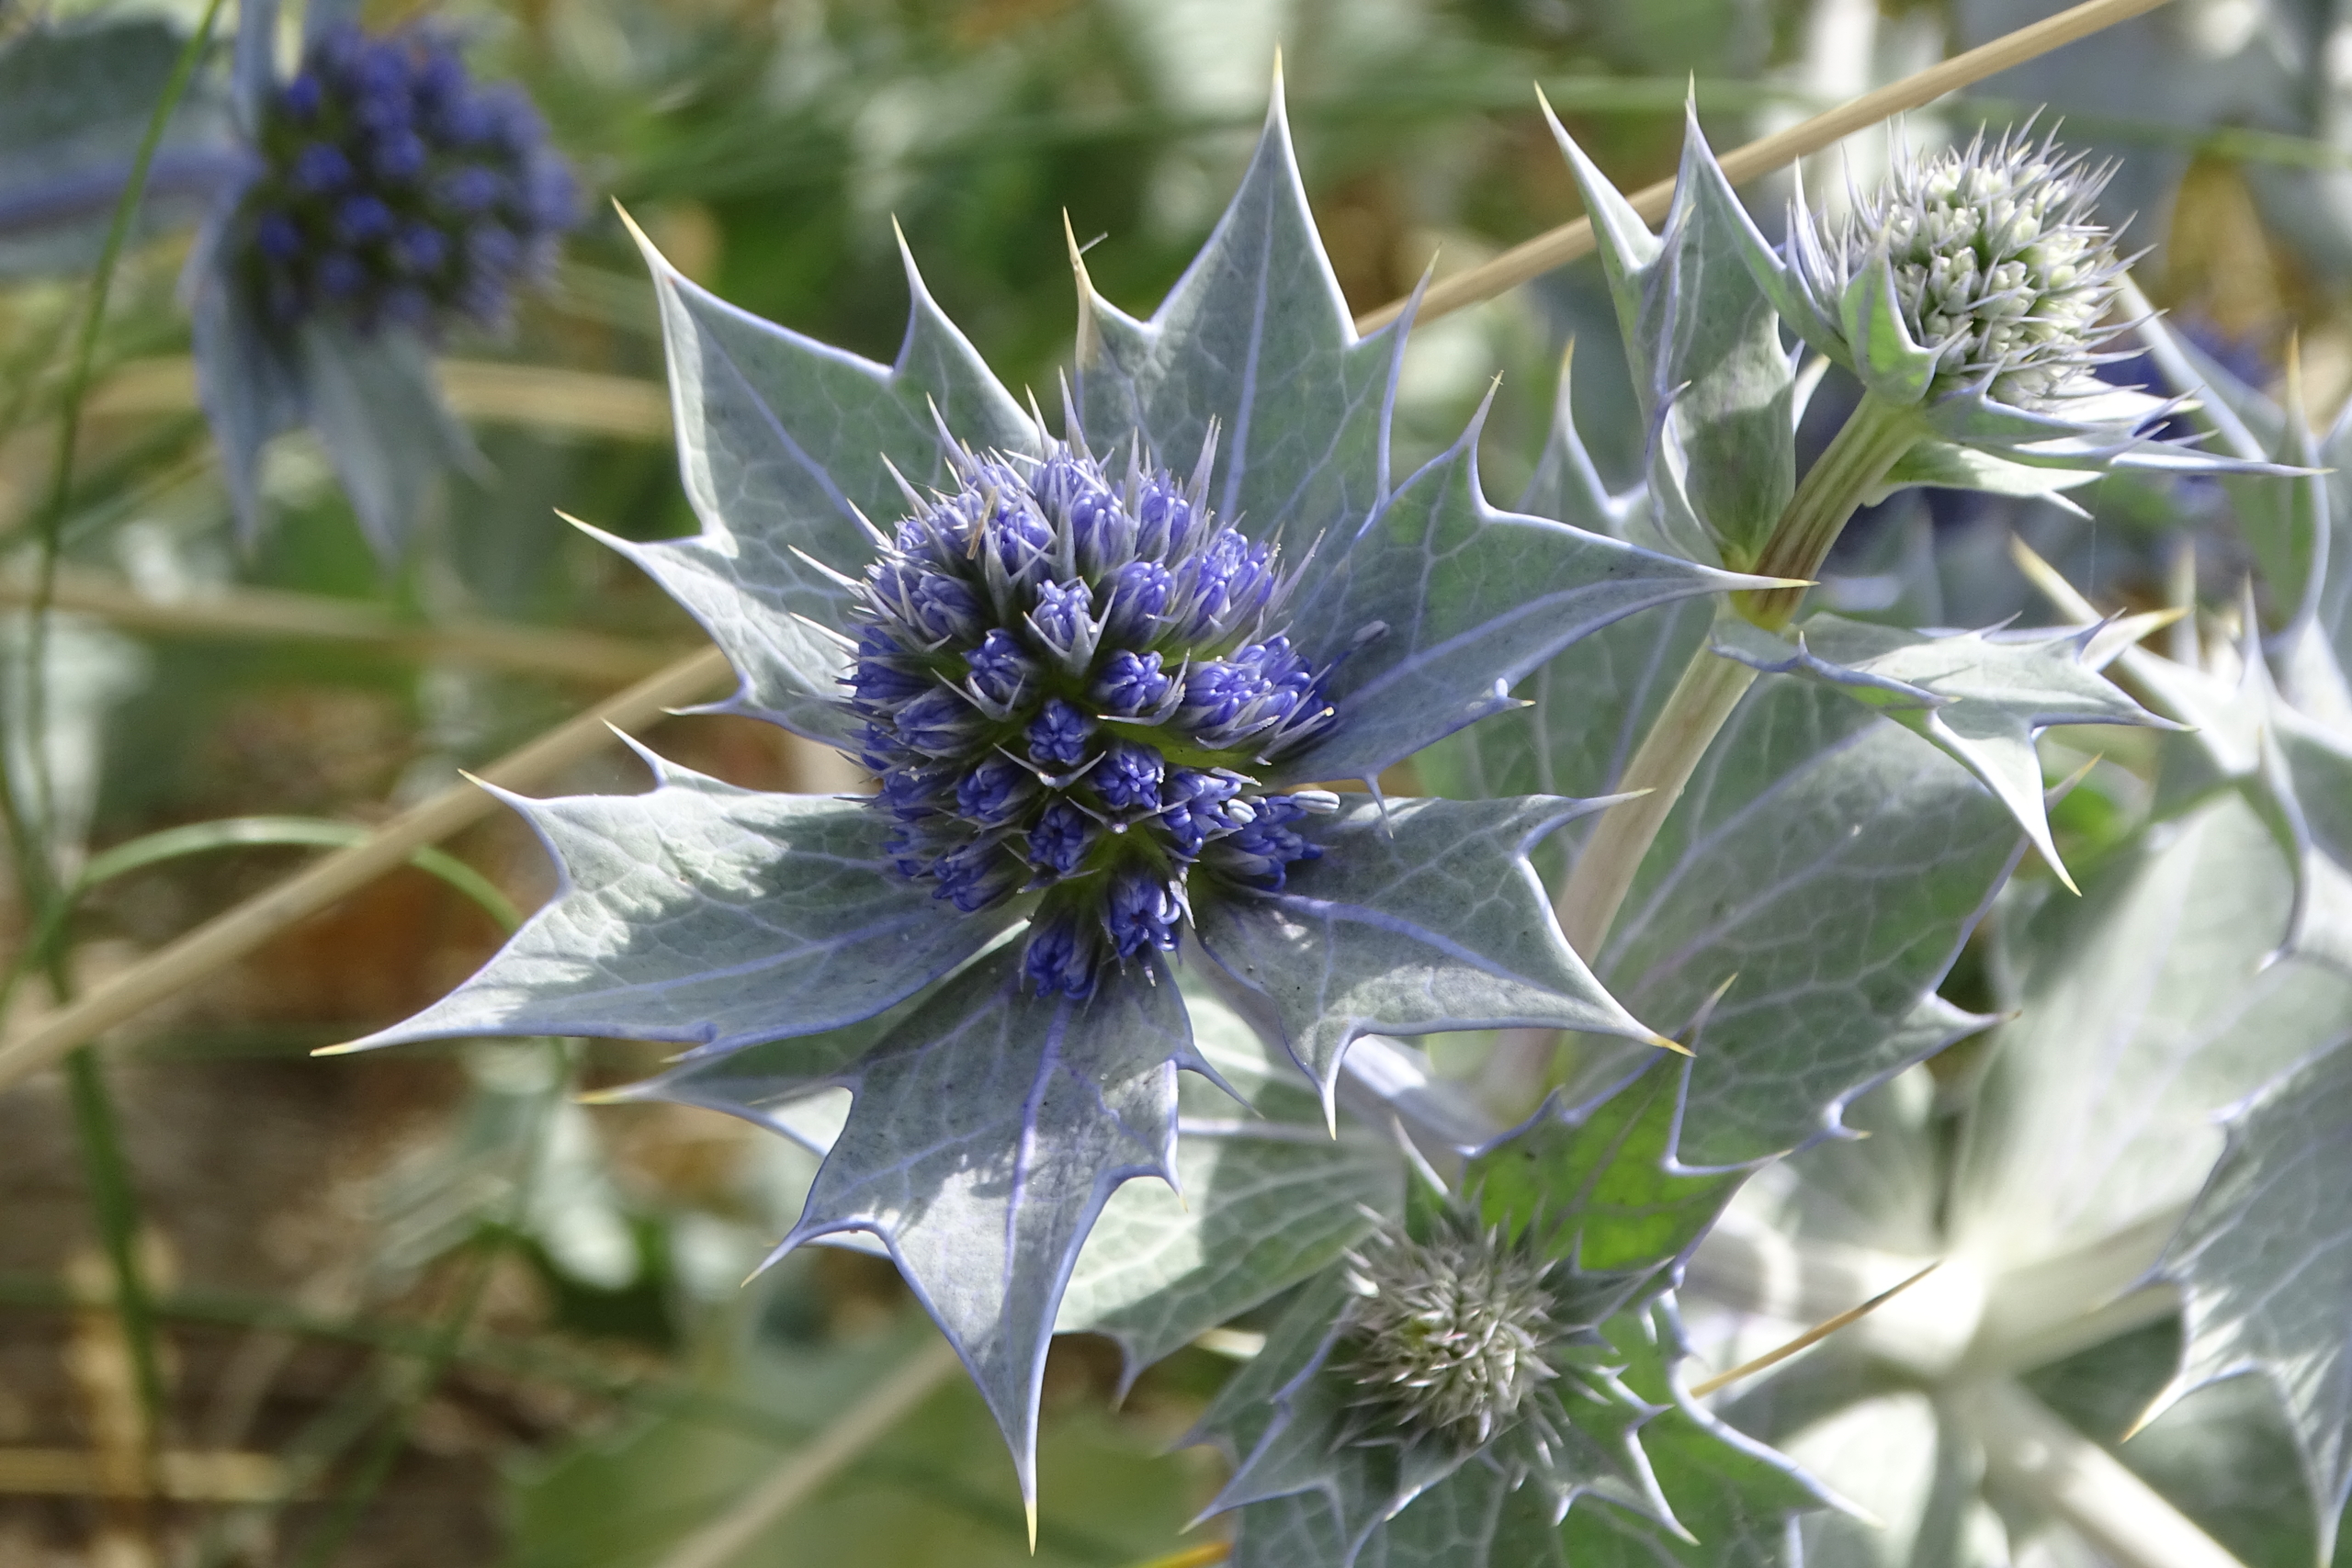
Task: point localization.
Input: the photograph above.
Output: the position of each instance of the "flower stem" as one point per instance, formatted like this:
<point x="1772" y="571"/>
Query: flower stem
<point x="1855" y="463"/>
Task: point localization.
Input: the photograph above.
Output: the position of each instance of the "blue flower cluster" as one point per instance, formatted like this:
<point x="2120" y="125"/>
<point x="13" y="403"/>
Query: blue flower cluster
<point x="1067" y="686"/>
<point x="396" y="191"/>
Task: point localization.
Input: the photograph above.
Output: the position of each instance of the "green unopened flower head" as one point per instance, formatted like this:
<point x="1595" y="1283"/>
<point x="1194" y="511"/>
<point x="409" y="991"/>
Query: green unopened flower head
<point x="1448" y="1338"/>
<point x="1996" y="267"/>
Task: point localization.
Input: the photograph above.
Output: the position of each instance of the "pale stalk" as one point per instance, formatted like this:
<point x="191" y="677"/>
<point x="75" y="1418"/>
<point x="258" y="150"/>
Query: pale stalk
<point x="1853" y="465"/>
<point x="247" y="613"/>
<point x="2029" y="1450"/>
<point x="806" y="1469"/>
<point x="229" y="936"/>
<point x="1557" y="247"/>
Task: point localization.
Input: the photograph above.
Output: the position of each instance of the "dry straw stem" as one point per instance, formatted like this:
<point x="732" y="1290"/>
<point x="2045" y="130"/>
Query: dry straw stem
<point x="1559" y="246"/>
<point x="1811" y="1336"/>
<point x="806" y="1469"/>
<point x="231" y="935"/>
<point x="249" y="613"/>
<point x="578" y="402"/>
<point x="239" y="931"/>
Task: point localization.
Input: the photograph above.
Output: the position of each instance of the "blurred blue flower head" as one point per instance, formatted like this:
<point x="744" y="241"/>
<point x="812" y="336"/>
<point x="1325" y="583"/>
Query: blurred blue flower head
<point x="1067" y="686"/>
<point x="395" y="191"/>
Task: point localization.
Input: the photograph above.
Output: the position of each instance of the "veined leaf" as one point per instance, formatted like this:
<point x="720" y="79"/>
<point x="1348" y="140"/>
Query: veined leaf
<point x="2143" y="1008"/>
<point x="1255" y="342"/>
<point x="1445" y="602"/>
<point x="711" y="916"/>
<point x="1422" y="916"/>
<point x="1704" y="342"/>
<point x="2266" y="1269"/>
<point x="1270" y="1195"/>
<point x="1829" y="866"/>
<point x="785" y="444"/>
<point x="1980" y="697"/>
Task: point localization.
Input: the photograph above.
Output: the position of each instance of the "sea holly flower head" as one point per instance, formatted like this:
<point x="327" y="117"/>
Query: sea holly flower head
<point x="1999" y="267"/>
<point x="1069" y="686"/>
<point x="1099" y="697"/>
<point x="1448" y="1339"/>
<point x="395" y="190"/>
<point x="383" y="197"/>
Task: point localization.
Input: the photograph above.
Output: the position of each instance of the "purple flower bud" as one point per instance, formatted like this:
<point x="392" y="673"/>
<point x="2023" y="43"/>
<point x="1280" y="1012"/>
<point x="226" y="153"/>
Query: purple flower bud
<point x="1001" y="672"/>
<point x="320" y="169"/>
<point x="469" y="190"/>
<point x="1064" y="620"/>
<point x="341" y="276"/>
<point x="1136" y="597"/>
<point x="1128" y="777"/>
<point x="938" y="723"/>
<point x="1130" y="685"/>
<point x="1061" y="838"/>
<point x="995" y="793"/>
<point x="982" y="873"/>
<point x="299" y="97"/>
<point x="1058" y="737"/>
<point x="1168" y="519"/>
<point x="398" y="155"/>
<point x="361" y="219"/>
<point x="419" y="248"/>
<point x="1264" y="849"/>
<point x="1142" y="913"/>
<point x="1061" y="957"/>
<point x="277" y="236"/>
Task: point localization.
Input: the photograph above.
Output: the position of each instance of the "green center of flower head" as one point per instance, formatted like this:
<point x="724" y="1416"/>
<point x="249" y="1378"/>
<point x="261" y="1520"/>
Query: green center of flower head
<point x="1448" y="1338"/>
<point x="1998" y="262"/>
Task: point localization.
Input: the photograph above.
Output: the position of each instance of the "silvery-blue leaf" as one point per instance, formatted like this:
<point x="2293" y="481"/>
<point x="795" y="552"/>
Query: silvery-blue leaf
<point x="988" y="1130"/>
<point x="1422" y="916"/>
<point x="248" y="379"/>
<point x="784" y="443"/>
<point x="375" y="404"/>
<point x="1917" y="1475"/>
<point x="2284" y="519"/>
<point x="1256" y="342"/>
<point x="1980" y="697"/>
<point x="1948" y="466"/>
<point x="2142" y="1009"/>
<point x="1271" y="1195"/>
<point x="2307" y="774"/>
<point x="1834" y="865"/>
<point x="1705" y="343"/>
<point x="75" y="101"/>
<point x="711" y="916"/>
<point x="1784" y="280"/>
<point x="1444" y="602"/>
<point x="1567" y="487"/>
<point x="2265" y="1267"/>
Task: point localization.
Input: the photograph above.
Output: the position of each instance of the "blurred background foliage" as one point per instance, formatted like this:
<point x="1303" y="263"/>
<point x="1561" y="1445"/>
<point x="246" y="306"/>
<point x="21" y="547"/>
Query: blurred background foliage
<point x="426" y="1308"/>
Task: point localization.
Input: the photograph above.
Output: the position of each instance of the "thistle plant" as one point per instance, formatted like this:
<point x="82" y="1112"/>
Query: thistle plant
<point x="1093" y="1005"/>
<point x="1099" y="695"/>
